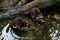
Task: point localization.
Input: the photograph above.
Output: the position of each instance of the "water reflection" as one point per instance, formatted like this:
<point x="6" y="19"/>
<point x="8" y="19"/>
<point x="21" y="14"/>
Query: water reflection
<point x="54" y="34"/>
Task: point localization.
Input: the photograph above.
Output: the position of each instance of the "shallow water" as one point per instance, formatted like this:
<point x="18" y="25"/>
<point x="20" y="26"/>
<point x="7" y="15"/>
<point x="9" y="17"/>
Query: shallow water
<point x="36" y="31"/>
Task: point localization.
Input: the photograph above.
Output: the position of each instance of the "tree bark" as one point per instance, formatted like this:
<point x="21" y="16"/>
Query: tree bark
<point x="22" y="2"/>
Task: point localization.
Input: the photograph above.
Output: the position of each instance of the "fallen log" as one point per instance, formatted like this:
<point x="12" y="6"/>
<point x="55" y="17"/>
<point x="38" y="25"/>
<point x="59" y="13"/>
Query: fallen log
<point x="19" y="9"/>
